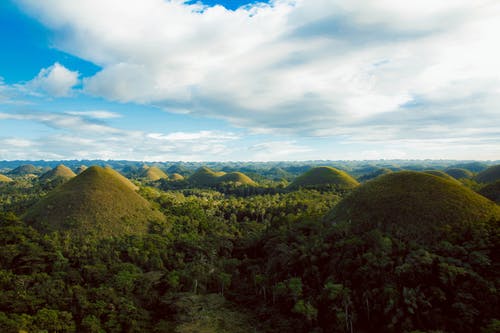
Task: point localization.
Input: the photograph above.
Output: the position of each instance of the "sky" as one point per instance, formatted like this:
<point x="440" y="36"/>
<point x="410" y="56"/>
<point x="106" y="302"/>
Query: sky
<point x="174" y="80"/>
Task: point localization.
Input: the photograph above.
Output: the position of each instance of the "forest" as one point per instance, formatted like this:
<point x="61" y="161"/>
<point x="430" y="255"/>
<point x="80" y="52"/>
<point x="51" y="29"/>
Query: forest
<point x="298" y="247"/>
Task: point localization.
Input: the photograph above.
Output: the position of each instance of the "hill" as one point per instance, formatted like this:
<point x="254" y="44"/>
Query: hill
<point x="59" y="173"/>
<point x="492" y="191"/>
<point x="459" y="173"/>
<point x="442" y="174"/>
<point x="80" y="169"/>
<point x="414" y="206"/>
<point x="4" y="179"/>
<point x="176" y="177"/>
<point x="99" y="201"/>
<point x="324" y="176"/>
<point x="24" y="170"/>
<point x="153" y="173"/>
<point x="236" y="177"/>
<point x="490" y="175"/>
<point x="207" y="177"/>
<point x="471" y="166"/>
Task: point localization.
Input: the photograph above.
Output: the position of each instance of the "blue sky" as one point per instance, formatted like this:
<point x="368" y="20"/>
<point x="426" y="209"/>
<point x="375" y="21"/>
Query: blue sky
<point x="232" y="80"/>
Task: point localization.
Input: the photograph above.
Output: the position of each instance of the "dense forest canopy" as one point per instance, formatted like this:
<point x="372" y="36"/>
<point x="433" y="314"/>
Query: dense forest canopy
<point x="403" y="251"/>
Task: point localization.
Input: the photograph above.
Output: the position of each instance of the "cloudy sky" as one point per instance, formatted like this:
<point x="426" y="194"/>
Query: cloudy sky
<point x="230" y="80"/>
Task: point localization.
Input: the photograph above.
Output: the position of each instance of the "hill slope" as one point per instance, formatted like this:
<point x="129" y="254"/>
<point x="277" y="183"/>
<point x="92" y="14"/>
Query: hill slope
<point x="324" y="176"/>
<point x="207" y="177"/>
<point x="99" y="201"/>
<point x="60" y="172"/>
<point x="4" y="179"/>
<point x="443" y="175"/>
<point x="24" y="170"/>
<point x="492" y="191"/>
<point x="459" y="173"/>
<point x="236" y="177"/>
<point x="490" y="175"/>
<point x="413" y="206"/>
<point x="153" y="173"/>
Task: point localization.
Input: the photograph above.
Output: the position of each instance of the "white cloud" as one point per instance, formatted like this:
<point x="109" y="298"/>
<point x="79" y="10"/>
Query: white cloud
<point x="96" y="114"/>
<point x="56" y="81"/>
<point x="319" y="67"/>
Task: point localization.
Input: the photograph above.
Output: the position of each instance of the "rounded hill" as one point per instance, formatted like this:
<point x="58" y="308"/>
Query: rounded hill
<point x="459" y="173"/>
<point x="490" y="175"/>
<point x="60" y="172"/>
<point x="374" y="174"/>
<point x="153" y="173"/>
<point x="413" y="206"/>
<point x="205" y="176"/>
<point x="236" y="177"/>
<point x="24" y="170"/>
<point x="99" y="201"/>
<point x="176" y="177"/>
<point x="441" y="174"/>
<point x="492" y="191"/>
<point x="80" y="169"/>
<point x="4" y="179"/>
<point x="323" y="177"/>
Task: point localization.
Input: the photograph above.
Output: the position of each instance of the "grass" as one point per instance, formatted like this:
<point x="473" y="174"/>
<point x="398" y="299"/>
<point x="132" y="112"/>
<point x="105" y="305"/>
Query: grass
<point x="207" y="177"/>
<point x="324" y="176"/>
<point x="25" y="169"/>
<point x="153" y="173"/>
<point x="459" y="173"/>
<point x="59" y="172"/>
<point x="414" y="206"/>
<point x="99" y="201"/>
<point x="4" y="179"/>
<point x="490" y="175"/>
<point x="442" y="174"/>
<point x="176" y="177"/>
<point x="492" y="191"/>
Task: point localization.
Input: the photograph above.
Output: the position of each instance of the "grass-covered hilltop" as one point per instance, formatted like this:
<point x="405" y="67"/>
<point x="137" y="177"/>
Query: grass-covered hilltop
<point x="237" y="247"/>
<point x="490" y="175"/>
<point x="98" y="201"/>
<point x="324" y="176"/>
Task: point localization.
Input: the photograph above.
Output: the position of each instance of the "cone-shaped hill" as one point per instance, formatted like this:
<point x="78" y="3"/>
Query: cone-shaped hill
<point x="176" y="177"/>
<point x="442" y="174"/>
<point x="492" y="191"/>
<point x="24" y="170"/>
<point x="207" y="177"/>
<point x="80" y="169"/>
<point x="153" y="173"/>
<point x="459" y="173"/>
<point x="374" y="174"/>
<point x="59" y="173"/>
<point x="323" y="177"/>
<point x="490" y="175"/>
<point x="4" y="179"/>
<point x="99" y="201"/>
<point x="414" y="206"/>
<point x="236" y="177"/>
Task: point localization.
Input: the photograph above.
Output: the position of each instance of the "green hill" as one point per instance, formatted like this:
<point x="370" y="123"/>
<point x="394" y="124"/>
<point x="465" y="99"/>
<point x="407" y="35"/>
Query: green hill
<point x="24" y="170"/>
<point x="490" y="175"/>
<point x="413" y="206"/>
<point x="153" y="173"/>
<point x="59" y="173"/>
<point x="236" y="177"/>
<point x="324" y="176"/>
<point x="204" y="177"/>
<point x="442" y="174"/>
<point x="99" y="201"/>
<point x="459" y="173"/>
<point x="176" y="177"/>
<point x="492" y="191"/>
<point x="4" y="179"/>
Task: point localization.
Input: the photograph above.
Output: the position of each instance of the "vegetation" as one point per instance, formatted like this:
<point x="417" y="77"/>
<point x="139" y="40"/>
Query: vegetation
<point x="403" y="252"/>
<point x="98" y="201"/>
<point x="320" y="177"/>
<point x="24" y="170"/>
<point x="374" y="174"/>
<point x="153" y="174"/>
<point x="59" y="173"/>
<point x="459" y="173"/>
<point x="491" y="191"/>
<point x="442" y="174"/>
<point x="490" y="175"/>
<point x="4" y="179"/>
<point x="206" y="177"/>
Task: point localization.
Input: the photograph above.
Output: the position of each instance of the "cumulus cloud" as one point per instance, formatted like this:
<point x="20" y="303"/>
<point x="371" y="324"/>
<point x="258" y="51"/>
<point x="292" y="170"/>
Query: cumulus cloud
<point x="78" y="135"/>
<point x="55" y="80"/>
<point x="315" y="67"/>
